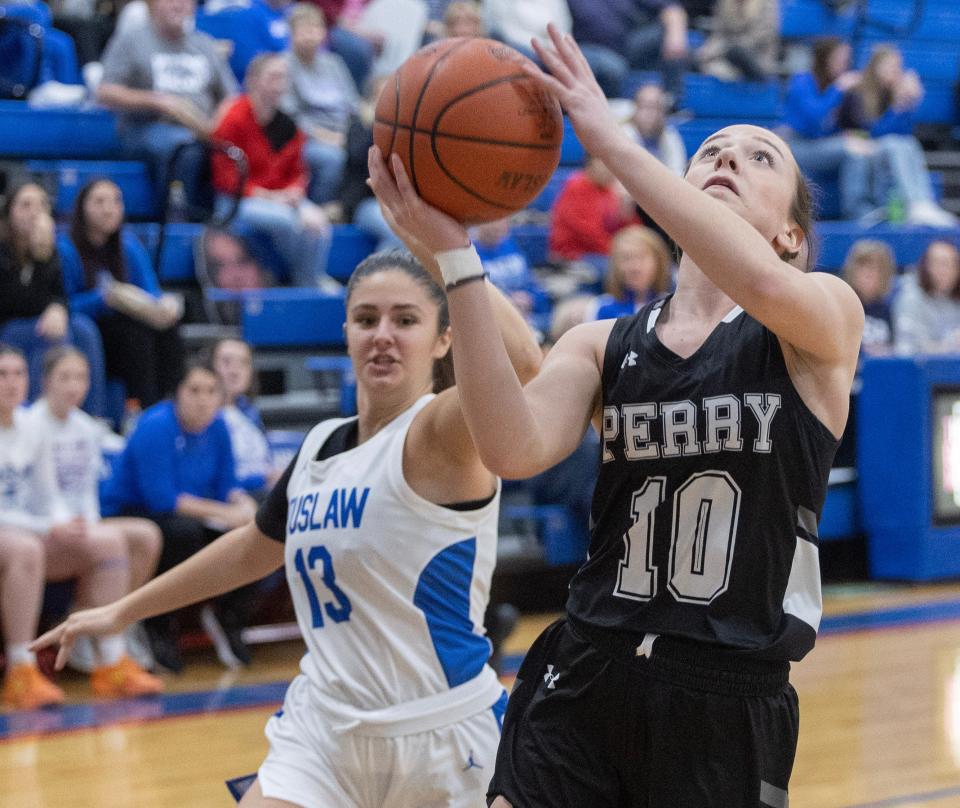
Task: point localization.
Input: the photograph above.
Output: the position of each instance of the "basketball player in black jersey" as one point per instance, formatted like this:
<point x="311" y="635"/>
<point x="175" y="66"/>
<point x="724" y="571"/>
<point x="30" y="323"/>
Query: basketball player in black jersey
<point x="666" y="685"/>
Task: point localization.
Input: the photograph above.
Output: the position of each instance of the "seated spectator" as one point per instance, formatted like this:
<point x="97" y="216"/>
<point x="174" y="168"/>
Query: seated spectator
<point x="516" y="22"/>
<point x="648" y="126"/>
<point x="229" y="264"/>
<point x="33" y="305"/>
<point x="462" y="18"/>
<point x="638" y="272"/>
<point x="89" y="23"/>
<point x="76" y="442"/>
<point x="617" y="36"/>
<point x="926" y="312"/>
<point x="232" y="359"/>
<point x="811" y="128"/>
<point x="321" y="98"/>
<point x="360" y="207"/>
<point x="744" y="41"/>
<point x="507" y="267"/>
<point x="177" y="470"/>
<point x="108" y="277"/>
<point x="356" y="47"/>
<point x="166" y="82"/>
<point x="248" y="28"/>
<point x="40" y="541"/>
<point x="884" y="106"/>
<point x="869" y="269"/>
<point x="274" y="203"/>
<point x="589" y="209"/>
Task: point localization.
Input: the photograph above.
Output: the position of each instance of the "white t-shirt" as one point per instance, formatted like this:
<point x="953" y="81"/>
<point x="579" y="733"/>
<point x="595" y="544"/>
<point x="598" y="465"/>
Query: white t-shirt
<point x="28" y="485"/>
<point x="76" y="446"/>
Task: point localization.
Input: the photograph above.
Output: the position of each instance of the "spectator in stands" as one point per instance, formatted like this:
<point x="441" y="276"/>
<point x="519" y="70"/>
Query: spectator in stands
<point x="926" y="312"/>
<point x="274" y="203"/>
<point x="810" y="126"/>
<point x="648" y="126"/>
<point x="461" y="18"/>
<point x="360" y="207"/>
<point x="321" y="98"/>
<point x="108" y="277"/>
<point x="33" y="307"/>
<point x="883" y="106"/>
<point x="516" y="22"/>
<point x="617" y="36"/>
<point x="589" y="209"/>
<point x="744" y="40"/>
<point x="229" y="263"/>
<point x="167" y="82"/>
<point x="232" y="359"/>
<point x="638" y="272"/>
<point x="869" y="269"/>
<point x="507" y="267"/>
<point x="40" y="540"/>
<point x="177" y="469"/>
<point x="356" y="48"/>
<point x="76" y="443"/>
<point x="89" y="23"/>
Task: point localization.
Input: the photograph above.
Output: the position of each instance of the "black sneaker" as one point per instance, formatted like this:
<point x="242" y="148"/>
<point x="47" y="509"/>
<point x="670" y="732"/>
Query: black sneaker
<point x="165" y="647"/>
<point x="226" y="637"/>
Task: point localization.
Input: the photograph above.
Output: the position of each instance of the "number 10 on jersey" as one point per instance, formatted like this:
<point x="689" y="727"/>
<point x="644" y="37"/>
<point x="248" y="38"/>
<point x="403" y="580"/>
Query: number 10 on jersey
<point x="706" y="509"/>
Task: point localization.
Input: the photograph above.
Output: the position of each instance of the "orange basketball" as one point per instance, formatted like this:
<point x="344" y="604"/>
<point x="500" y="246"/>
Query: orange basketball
<point x="477" y="137"/>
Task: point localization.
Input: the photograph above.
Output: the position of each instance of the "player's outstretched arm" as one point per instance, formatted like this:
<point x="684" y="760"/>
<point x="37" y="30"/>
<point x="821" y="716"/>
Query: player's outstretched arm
<point x="727" y="248"/>
<point x="237" y="558"/>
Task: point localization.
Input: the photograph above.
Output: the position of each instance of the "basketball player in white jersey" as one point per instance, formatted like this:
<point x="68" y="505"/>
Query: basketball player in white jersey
<point x="386" y="524"/>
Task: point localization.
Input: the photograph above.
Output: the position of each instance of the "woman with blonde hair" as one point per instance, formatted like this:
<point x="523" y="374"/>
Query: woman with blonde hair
<point x="883" y="106"/>
<point x="638" y="272"/>
<point x="869" y="269"/>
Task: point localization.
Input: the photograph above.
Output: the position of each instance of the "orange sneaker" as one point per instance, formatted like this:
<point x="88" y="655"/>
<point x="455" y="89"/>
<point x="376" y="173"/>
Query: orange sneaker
<point x="25" y="688"/>
<point x="124" y="679"/>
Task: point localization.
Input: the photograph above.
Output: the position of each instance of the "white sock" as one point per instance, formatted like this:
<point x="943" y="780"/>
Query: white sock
<point x="112" y="648"/>
<point x="19" y="653"/>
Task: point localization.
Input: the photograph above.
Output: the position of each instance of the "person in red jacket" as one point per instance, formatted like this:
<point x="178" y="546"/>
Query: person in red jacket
<point x="274" y="203"/>
<point x="590" y="208"/>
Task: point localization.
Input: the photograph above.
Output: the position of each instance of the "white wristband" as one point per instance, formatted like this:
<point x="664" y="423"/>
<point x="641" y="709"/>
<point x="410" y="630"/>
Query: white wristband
<point x="459" y="266"/>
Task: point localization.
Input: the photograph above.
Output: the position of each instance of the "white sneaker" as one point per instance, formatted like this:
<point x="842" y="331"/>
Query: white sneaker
<point x="83" y="658"/>
<point x="138" y="646"/>
<point x="931" y="215"/>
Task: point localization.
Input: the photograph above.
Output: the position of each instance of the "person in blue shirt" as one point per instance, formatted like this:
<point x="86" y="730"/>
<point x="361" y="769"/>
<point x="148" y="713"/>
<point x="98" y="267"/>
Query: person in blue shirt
<point x="883" y="107"/>
<point x="177" y="469"/>
<point x="108" y="276"/>
<point x="638" y="272"/>
<point x="811" y="127"/>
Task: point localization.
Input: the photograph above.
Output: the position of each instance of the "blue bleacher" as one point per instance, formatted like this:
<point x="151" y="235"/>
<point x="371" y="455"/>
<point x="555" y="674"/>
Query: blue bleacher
<point x="551" y="190"/>
<point x="348" y="247"/>
<point x="57" y="133"/>
<point x="803" y="19"/>
<point x="289" y="318"/>
<point x="139" y="197"/>
<point x="571" y="150"/>
<point x="708" y="97"/>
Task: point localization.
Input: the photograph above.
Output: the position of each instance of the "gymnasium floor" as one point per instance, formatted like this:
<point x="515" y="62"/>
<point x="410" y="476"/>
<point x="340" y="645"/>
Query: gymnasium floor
<point x="880" y="706"/>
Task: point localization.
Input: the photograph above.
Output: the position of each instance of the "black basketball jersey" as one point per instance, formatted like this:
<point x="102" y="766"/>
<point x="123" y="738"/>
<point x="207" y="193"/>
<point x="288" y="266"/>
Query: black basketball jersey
<point x="712" y="477"/>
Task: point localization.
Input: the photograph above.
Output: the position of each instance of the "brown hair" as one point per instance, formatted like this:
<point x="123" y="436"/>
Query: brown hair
<point x="305" y="12"/>
<point x="13" y="191"/>
<point x="823" y="48"/>
<point x="386" y="260"/>
<point x="90" y="256"/>
<point x="923" y="271"/>
<point x="875" y="97"/>
<point x="56" y="355"/>
<point x="802" y="211"/>
<point x="257" y="65"/>
<point x="632" y="236"/>
<point x="865" y="250"/>
<point x="253" y="389"/>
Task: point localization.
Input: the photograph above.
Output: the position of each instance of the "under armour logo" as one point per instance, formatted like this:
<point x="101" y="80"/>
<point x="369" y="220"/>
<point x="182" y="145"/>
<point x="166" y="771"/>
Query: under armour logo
<point x="550" y="678"/>
<point x="471" y="763"/>
<point x="629" y="360"/>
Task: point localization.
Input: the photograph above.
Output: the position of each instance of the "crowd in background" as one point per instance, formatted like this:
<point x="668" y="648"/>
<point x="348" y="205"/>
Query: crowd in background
<point x="294" y="87"/>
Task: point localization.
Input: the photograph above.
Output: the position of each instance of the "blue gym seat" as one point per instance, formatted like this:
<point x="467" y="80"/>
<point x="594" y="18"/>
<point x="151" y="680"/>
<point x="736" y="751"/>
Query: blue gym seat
<point x="139" y="199"/>
<point x="289" y="318"/>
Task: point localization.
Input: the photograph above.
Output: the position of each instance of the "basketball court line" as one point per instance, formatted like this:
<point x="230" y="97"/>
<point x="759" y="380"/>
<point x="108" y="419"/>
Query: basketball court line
<point x="77" y="717"/>
<point x="907" y="799"/>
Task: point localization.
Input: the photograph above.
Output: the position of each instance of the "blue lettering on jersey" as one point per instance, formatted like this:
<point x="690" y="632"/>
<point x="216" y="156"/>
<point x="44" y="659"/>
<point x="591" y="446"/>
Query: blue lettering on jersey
<point x="345" y="509"/>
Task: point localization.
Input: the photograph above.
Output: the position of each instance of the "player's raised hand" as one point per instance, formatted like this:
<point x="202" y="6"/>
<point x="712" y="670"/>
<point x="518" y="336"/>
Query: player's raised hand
<point x="103" y="620"/>
<point x="406" y="213"/>
<point x="572" y="81"/>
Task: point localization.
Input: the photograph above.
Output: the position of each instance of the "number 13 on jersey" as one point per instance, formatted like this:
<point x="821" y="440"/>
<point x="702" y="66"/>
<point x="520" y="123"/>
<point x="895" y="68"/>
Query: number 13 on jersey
<point x="706" y="509"/>
<point x="316" y="563"/>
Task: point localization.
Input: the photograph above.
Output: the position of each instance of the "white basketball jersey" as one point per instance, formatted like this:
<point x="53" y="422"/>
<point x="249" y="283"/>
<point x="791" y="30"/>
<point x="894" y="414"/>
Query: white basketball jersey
<point x="390" y="590"/>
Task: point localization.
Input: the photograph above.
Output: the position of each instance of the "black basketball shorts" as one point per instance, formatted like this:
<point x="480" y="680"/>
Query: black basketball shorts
<point x="592" y="725"/>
